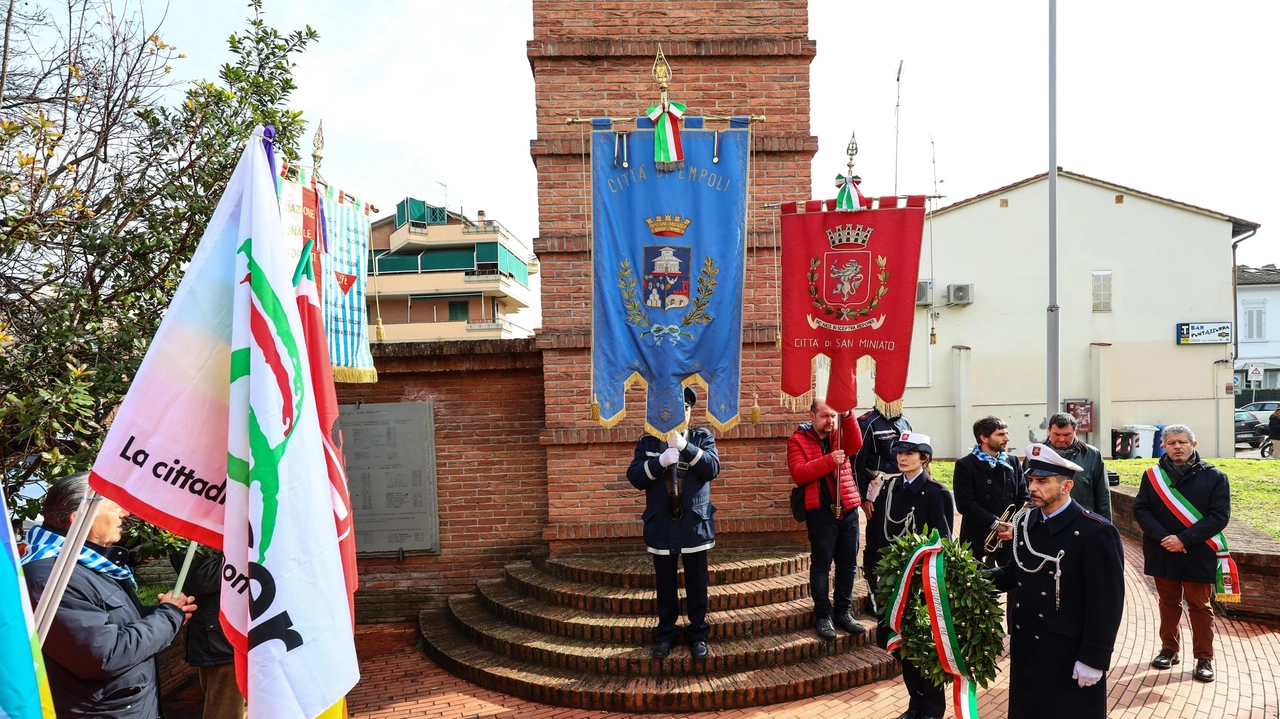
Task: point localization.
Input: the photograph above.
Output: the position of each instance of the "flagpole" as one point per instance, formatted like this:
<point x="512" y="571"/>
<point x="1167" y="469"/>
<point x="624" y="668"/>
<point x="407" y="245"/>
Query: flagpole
<point x="65" y="564"/>
<point x="186" y="567"/>
<point x="1052" y="367"/>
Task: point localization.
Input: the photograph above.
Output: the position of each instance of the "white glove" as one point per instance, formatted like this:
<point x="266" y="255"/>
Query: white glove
<point x="873" y="489"/>
<point x="1085" y="675"/>
<point x="677" y="441"/>
<point x="669" y="457"/>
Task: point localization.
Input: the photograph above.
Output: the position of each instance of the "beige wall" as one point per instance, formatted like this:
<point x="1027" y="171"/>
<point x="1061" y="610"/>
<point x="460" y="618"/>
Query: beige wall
<point x="1168" y="265"/>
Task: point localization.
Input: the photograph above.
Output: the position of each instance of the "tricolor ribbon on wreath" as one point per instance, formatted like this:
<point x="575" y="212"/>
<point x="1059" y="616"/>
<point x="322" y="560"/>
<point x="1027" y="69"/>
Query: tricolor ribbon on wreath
<point x="1227" y="583"/>
<point x="929" y="556"/>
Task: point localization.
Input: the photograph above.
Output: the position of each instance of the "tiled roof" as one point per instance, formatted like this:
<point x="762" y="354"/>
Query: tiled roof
<point x="1265" y="275"/>
<point x="1238" y="226"/>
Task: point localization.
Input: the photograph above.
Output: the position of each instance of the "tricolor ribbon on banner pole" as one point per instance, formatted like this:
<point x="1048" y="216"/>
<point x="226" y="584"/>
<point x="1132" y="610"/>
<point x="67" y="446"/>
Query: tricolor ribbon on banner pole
<point x="947" y="641"/>
<point x="668" y="153"/>
<point x="1227" y="583"/>
<point x="849" y="197"/>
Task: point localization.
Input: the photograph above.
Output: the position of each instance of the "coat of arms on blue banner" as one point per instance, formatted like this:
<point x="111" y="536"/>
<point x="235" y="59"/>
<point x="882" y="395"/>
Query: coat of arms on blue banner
<point x="669" y="248"/>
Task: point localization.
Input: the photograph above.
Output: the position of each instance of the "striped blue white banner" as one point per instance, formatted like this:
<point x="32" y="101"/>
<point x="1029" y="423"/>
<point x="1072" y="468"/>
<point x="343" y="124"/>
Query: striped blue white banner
<point x="345" y="271"/>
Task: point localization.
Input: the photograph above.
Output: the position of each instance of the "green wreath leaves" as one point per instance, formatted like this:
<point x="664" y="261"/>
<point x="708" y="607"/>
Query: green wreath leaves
<point x="974" y="607"/>
<point x="627" y="284"/>
<point x="848" y="312"/>
<point x="697" y="314"/>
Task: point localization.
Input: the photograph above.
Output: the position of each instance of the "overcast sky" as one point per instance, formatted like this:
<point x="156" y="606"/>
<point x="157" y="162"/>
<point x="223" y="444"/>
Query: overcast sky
<point x="1175" y="98"/>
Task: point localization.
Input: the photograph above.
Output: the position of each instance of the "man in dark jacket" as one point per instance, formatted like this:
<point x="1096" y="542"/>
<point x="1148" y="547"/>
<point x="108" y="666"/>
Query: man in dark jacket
<point x="207" y="647"/>
<point x="1068" y="568"/>
<point x="101" y="648"/>
<point x="909" y="501"/>
<point x="1177" y="555"/>
<point x="817" y="460"/>
<point x="675" y="476"/>
<point x="1090" y="487"/>
<point x="986" y="482"/>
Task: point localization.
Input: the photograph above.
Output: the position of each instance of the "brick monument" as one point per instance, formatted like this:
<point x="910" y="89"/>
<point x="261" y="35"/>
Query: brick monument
<point x="542" y="587"/>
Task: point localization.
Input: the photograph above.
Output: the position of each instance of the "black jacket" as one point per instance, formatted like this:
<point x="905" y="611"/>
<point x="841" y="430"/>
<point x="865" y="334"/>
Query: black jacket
<point x="1049" y="636"/>
<point x="695" y="528"/>
<point x="924" y="501"/>
<point x="982" y="494"/>
<point x="1091" y="488"/>
<point x="1207" y="489"/>
<point x="878" y="435"/>
<point x="207" y="645"/>
<point x="102" y="643"/>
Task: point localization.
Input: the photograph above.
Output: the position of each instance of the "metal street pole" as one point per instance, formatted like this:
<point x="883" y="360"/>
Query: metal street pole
<point x="1052" y="370"/>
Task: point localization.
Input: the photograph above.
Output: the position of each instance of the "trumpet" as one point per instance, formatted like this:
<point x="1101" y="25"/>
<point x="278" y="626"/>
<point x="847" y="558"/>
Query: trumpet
<point x="993" y="539"/>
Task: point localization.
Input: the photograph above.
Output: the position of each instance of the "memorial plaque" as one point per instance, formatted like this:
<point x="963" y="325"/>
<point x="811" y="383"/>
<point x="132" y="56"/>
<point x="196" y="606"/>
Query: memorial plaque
<point x="391" y="471"/>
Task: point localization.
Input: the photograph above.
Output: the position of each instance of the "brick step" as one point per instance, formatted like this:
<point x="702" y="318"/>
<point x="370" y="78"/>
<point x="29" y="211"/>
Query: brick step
<point x="526" y="579"/>
<point x="513" y="607"/>
<point x="620" y="659"/>
<point x="461" y="656"/>
<point x="635" y="570"/>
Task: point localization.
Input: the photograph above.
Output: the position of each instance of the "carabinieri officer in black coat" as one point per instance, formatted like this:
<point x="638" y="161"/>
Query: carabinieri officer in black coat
<point x="1068" y="568"/>
<point x="675" y="476"/>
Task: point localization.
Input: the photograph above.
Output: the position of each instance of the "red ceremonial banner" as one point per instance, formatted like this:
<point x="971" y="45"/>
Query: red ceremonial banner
<point x="848" y="291"/>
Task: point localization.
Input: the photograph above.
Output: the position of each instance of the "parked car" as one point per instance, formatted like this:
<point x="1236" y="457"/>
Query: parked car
<point x="1264" y="408"/>
<point x="1247" y="427"/>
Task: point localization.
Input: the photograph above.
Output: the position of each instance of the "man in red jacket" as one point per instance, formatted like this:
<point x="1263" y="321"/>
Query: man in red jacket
<point x="819" y="459"/>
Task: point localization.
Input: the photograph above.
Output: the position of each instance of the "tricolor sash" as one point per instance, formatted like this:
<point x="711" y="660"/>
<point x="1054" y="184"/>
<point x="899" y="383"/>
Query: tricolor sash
<point x="1227" y="582"/>
<point x="946" y="640"/>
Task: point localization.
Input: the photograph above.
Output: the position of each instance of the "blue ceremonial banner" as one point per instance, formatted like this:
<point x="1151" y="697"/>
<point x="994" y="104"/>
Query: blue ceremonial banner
<point x="346" y="261"/>
<point x="668" y="267"/>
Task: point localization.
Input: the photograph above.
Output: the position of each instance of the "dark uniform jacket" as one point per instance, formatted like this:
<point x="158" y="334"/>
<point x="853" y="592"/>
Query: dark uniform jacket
<point x="878" y="435"/>
<point x="1048" y="637"/>
<point x="1207" y="489"/>
<point x="207" y="645"/>
<point x="695" y="530"/>
<point x="982" y="494"/>
<point x="101" y="648"/>
<point x="932" y="505"/>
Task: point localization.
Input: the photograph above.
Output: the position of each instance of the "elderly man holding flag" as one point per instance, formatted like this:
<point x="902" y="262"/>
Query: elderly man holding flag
<point x="220" y="439"/>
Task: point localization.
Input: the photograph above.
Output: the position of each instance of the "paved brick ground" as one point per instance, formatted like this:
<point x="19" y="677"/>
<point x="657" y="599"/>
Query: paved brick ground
<point x="401" y="682"/>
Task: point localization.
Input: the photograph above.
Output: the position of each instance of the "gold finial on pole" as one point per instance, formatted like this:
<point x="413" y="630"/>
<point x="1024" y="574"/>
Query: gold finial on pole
<point x="851" y="151"/>
<point x="661" y="72"/>
<point x="318" y="143"/>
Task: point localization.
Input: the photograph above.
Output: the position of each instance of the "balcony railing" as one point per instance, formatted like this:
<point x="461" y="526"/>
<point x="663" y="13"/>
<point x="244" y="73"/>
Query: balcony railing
<point x="485" y="228"/>
<point x="485" y="275"/>
<point x="488" y="323"/>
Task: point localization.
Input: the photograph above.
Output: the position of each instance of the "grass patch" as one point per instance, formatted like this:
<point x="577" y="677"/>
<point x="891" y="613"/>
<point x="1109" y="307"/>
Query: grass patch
<point x="1255" y="486"/>
<point x="147" y="593"/>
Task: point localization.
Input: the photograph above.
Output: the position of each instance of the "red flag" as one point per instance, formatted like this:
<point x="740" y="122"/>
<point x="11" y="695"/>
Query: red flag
<point x="848" y="291"/>
<point x="321" y="371"/>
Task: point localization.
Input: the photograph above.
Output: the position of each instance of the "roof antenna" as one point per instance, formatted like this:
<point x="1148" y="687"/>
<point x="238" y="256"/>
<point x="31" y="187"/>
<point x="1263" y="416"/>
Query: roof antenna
<point x="897" y="105"/>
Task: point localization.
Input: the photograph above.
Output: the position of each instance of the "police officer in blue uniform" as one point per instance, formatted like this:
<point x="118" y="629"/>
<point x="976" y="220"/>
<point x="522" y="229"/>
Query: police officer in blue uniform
<point x="1068" y="569"/>
<point x="909" y="501"/>
<point x="675" y="476"/>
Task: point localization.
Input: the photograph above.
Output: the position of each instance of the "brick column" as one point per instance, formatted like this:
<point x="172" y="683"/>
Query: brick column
<point x="728" y="57"/>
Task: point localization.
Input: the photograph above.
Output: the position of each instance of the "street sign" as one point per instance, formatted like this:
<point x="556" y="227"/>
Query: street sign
<point x="1253" y="372"/>
<point x="1203" y="333"/>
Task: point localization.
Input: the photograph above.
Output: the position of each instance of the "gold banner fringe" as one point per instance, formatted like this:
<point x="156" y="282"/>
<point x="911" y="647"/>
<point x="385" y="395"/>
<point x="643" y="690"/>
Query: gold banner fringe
<point x="611" y="422"/>
<point x="1229" y="598"/>
<point x="800" y="403"/>
<point x="889" y="409"/>
<point x="355" y="375"/>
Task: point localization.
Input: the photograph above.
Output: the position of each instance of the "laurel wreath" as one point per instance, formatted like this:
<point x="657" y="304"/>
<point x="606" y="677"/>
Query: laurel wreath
<point x="848" y="312"/>
<point x="974" y="607"/>
<point x="697" y="314"/>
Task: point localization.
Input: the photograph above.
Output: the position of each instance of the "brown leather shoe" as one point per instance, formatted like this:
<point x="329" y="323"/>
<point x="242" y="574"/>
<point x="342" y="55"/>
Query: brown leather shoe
<point x="1165" y="659"/>
<point x="1204" y="670"/>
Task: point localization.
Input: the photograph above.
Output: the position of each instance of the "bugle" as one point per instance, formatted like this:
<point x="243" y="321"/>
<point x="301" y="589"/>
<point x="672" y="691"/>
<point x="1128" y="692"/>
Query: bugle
<point x="993" y="539"/>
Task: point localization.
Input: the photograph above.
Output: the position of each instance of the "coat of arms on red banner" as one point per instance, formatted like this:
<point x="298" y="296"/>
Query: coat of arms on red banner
<point x="848" y="291"/>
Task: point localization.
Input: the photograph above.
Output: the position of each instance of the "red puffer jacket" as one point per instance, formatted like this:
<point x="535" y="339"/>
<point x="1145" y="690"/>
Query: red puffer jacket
<point x="808" y="464"/>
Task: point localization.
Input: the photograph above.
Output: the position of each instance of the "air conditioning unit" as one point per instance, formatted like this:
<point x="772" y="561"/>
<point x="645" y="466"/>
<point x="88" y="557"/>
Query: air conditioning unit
<point x="959" y="295"/>
<point x="924" y="293"/>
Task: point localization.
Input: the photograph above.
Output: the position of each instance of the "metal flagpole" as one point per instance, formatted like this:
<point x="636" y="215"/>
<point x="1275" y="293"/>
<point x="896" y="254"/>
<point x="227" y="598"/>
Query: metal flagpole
<point x="186" y="567"/>
<point x="66" y="562"/>
<point x="1052" y="368"/>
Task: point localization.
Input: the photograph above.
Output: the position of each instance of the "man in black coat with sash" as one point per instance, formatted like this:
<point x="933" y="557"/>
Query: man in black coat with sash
<point x="1068" y="568"/>
<point x="1178" y="556"/>
<point x="675" y="475"/>
<point x="986" y="482"/>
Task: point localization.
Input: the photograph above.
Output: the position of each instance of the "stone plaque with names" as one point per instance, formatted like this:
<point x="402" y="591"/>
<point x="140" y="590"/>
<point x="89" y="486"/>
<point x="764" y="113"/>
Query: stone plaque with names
<point x="391" y="471"/>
